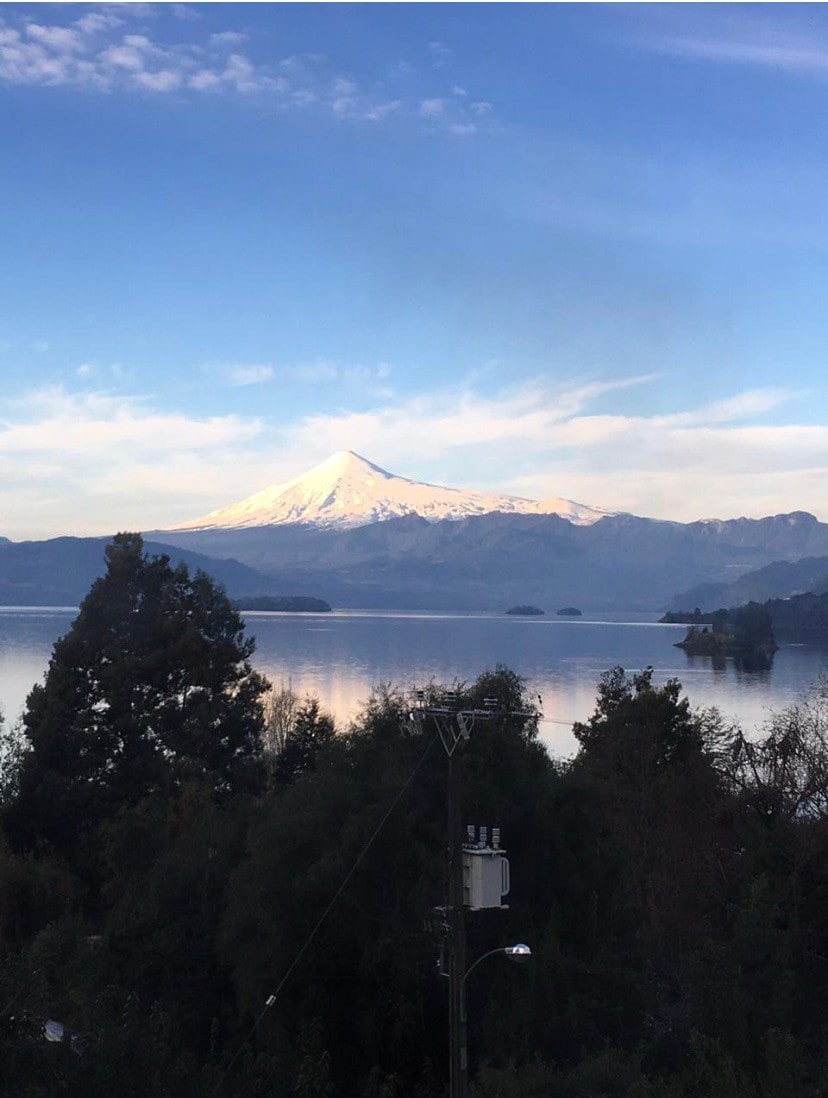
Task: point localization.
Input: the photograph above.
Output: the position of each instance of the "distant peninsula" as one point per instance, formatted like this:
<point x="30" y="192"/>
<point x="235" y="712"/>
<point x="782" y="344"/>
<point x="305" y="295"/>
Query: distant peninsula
<point x="526" y="612"/>
<point x="800" y="619"/>
<point x="288" y="604"/>
<point x="569" y="612"/>
<point x="745" y="632"/>
<point x="686" y="617"/>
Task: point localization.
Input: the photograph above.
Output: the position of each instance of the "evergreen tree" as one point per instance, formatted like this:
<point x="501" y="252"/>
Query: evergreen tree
<point x="311" y="731"/>
<point x="152" y="686"/>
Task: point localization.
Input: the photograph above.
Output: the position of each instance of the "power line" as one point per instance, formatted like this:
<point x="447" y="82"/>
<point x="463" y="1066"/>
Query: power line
<point x="271" y="999"/>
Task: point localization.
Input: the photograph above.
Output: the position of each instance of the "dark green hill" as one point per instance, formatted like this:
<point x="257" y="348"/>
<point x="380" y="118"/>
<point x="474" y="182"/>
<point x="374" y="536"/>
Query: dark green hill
<point x="59" y="572"/>
<point x="780" y="579"/>
<point x="803" y="618"/>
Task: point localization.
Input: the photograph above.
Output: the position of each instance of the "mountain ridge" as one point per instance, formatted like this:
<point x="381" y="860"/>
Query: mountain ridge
<point x="487" y="561"/>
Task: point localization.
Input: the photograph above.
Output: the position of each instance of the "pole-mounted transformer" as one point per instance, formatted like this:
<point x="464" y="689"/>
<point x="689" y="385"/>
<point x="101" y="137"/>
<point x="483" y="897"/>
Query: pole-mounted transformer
<point x="486" y="877"/>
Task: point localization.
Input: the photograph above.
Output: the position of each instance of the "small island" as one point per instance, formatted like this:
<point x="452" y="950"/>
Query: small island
<point x="286" y="604"/>
<point x="526" y="612"/>
<point x="745" y="632"/>
<point x="569" y="612"/>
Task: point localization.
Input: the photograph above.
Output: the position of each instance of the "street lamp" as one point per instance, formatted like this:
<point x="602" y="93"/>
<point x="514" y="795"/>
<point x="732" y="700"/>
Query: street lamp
<point x="519" y="953"/>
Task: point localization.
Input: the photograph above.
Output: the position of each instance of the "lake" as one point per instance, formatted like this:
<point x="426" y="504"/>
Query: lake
<point x="340" y="656"/>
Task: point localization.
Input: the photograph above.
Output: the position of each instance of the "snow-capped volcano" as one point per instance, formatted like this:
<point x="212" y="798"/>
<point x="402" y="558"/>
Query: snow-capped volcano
<point x="347" y="491"/>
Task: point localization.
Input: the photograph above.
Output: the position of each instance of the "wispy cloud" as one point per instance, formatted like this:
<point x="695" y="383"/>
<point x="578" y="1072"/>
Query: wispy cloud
<point x="57" y="420"/>
<point x="712" y="459"/>
<point x="68" y="455"/>
<point x="249" y="374"/>
<point x="439" y="53"/>
<point x="431" y="107"/>
<point x="185" y="12"/>
<point x="746" y="39"/>
<point x="305" y="373"/>
<point x="340" y="372"/>
<point x="521" y="419"/>
<point x="100" y="52"/>
<point x="803" y="59"/>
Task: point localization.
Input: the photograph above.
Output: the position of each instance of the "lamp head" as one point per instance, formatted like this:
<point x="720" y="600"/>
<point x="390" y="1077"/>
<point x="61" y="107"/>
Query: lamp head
<point x="519" y="952"/>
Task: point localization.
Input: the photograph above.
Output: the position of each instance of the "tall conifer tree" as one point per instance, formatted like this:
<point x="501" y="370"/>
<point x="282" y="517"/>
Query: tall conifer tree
<point x="151" y="686"/>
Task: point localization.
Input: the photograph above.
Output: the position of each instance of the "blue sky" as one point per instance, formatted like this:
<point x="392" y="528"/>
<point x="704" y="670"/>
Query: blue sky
<point x="576" y="250"/>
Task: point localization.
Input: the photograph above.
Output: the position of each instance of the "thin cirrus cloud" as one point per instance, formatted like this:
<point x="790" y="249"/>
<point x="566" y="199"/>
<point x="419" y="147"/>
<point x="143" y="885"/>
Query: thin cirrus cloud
<point x="101" y="51"/>
<point x="328" y="370"/>
<point x="238" y="375"/>
<point x="753" y="42"/>
<point x="252" y="374"/>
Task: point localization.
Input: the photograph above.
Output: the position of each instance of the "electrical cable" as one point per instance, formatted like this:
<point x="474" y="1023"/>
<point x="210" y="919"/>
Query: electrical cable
<point x="271" y="999"/>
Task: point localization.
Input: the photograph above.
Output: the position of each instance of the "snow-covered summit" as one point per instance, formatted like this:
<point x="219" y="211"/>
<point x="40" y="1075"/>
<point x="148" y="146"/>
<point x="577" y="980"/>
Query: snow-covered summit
<point x="347" y="491"/>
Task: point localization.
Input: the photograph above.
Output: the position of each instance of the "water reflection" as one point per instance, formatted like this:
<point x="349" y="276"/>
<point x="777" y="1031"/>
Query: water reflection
<point x="341" y="656"/>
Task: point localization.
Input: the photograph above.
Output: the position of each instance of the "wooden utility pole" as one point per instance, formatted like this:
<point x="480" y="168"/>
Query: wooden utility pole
<point x="458" y="1059"/>
<point x="454" y="726"/>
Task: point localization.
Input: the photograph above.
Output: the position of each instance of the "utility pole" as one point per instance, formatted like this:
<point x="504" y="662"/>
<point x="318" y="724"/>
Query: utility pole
<point x="454" y="726"/>
<point x="458" y="1060"/>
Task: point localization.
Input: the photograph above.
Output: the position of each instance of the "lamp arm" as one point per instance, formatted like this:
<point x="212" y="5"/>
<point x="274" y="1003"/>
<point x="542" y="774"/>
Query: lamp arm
<point x="491" y="953"/>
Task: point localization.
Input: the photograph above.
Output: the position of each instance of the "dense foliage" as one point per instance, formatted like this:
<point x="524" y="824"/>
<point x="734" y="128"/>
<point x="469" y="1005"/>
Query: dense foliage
<point x="743" y="632"/>
<point x="801" y="617"/>
<point x="671" y="880"/>
<point x="150" y="688"/>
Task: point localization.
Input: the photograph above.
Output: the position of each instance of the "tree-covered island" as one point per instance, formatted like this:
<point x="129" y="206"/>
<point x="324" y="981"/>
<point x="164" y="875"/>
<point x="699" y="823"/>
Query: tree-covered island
<point x="744" y="631"/>
<point x="800" y="619"/>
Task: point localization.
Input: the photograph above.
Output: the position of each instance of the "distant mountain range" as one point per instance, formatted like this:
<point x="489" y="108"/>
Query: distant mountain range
<point x="497" y="560"/>
<point x="781" y="579"/>
<point x="356" y="536"/>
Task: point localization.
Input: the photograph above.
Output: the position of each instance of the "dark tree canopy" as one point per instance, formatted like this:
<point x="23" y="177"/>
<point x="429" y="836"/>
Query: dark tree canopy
<point x="151" y="686"/>
<point x="671" y="880"/>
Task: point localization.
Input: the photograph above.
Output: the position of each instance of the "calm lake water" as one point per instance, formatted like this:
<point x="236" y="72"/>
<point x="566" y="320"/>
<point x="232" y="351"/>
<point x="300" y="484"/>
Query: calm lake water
<point x="342" y="655"/>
